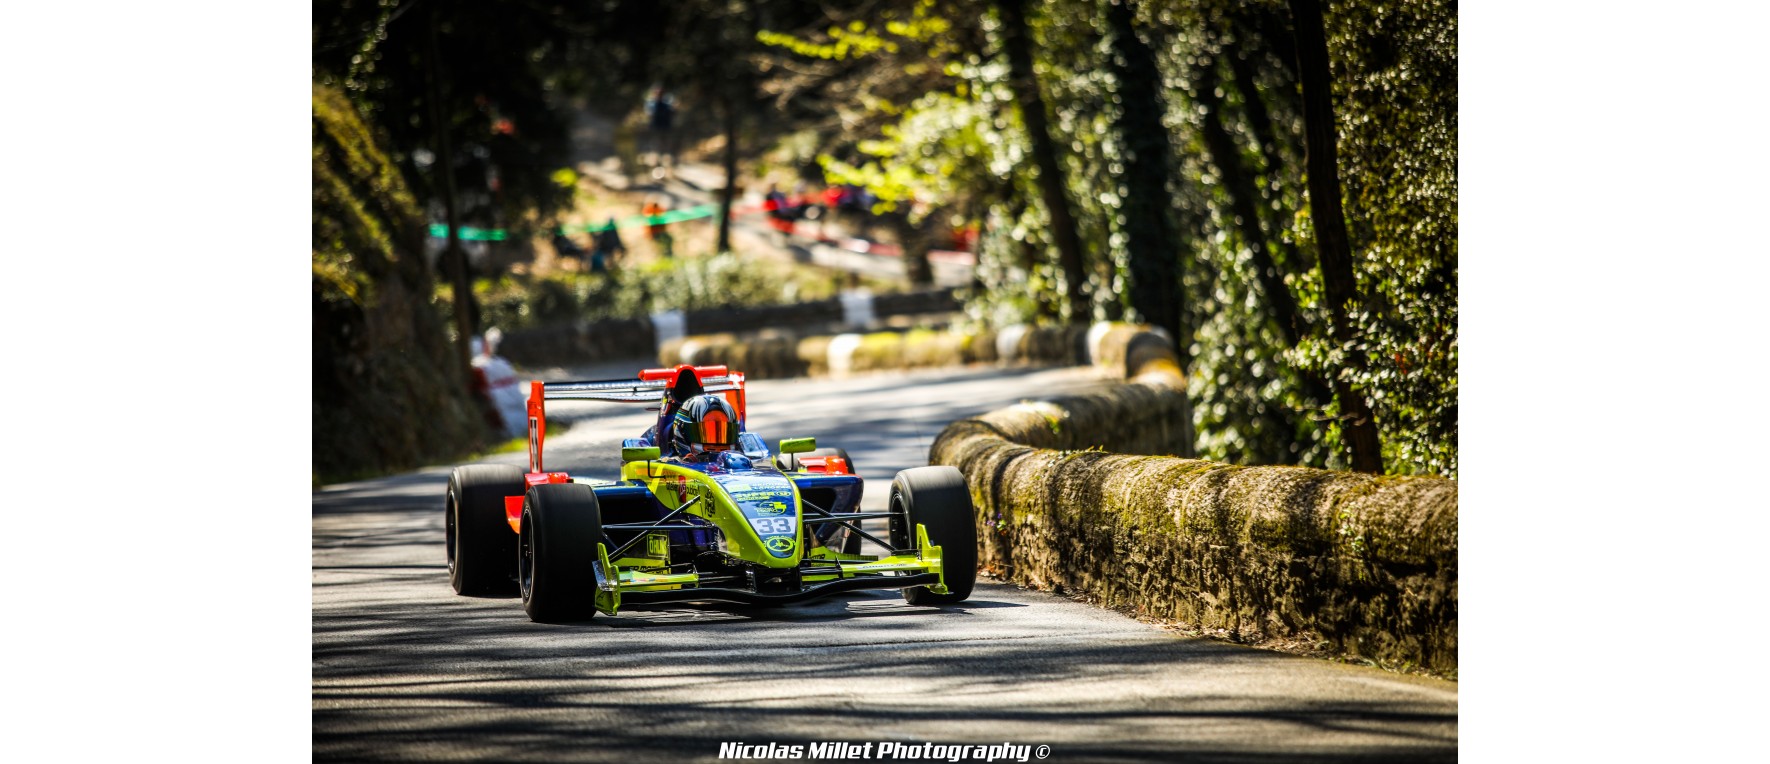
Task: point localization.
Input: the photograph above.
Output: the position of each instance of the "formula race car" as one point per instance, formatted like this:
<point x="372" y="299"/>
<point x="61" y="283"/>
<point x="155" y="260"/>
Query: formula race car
<point x="701" y="511"/>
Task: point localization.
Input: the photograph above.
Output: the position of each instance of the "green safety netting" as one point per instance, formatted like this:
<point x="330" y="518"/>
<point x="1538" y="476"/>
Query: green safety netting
<point x="469" y="233"/>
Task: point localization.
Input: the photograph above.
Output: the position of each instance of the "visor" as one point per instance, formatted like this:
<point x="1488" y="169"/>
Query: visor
<point x="714" y="431"/>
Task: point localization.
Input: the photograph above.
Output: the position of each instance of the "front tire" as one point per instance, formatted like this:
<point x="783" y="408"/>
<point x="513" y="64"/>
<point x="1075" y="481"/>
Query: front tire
<point x="481" y="547"/>
<point x="561" y="526"/>
<point x="938" y="499"/>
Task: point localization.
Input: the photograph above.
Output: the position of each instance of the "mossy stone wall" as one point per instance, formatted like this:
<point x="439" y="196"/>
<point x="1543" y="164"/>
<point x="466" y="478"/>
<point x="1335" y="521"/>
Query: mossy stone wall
<point x="1073" y="494"/>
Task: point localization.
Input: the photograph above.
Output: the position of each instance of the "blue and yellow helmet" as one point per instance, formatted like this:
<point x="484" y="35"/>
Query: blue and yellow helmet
<point x="704" y="423"/>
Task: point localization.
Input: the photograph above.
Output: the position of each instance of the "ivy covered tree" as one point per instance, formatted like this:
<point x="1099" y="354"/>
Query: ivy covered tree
<point x="387" y="392"/>
<point x="1395" y="79"/>
<point x="1271" y="182"/>
<point x="1330" y="344"/>
<point x="502" y="67"/>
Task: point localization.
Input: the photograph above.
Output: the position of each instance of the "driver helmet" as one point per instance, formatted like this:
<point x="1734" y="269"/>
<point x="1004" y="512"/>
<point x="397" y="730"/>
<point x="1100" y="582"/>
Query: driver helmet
<point x="704" y="423"/>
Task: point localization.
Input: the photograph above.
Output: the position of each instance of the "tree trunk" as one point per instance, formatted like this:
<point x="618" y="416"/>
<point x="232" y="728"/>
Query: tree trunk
<point x="1266" y="136"/>
<point x="726" y="194"/>
<point x="1017" y="43"/>
<point x="1238" y="185"/>
<point x="453" y="256"/>
<point x="1339" y="283"/>
<point x="1152" y="241"/>
<point x="915" y="239"/>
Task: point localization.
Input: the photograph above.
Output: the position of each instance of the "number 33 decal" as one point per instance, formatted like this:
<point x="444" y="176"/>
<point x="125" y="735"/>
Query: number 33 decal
<point x="771" y="525"/>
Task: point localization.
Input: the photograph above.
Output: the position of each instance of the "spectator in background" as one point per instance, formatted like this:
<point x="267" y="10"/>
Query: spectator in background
<point x="608" y="244"/>
<point x="806" y="203"/>
<point x="660" y="234"/>
<point x="660" y="117"/>
<point x="501" y="385"/>
<point x="780" y="210"/>
<point x="850" y="199"/>
<point x="829" y="203"/>
<point x="565" y="247"/>
<point x="965" y="237"/>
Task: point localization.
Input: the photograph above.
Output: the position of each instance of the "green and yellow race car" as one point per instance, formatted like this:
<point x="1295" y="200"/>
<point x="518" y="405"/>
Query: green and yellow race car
<point x="702" y="511"/>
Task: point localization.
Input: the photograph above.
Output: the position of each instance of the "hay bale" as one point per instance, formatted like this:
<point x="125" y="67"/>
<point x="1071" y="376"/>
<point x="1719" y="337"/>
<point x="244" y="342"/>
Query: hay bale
<point x="760" y="358"/>
<point x="924" y="349"/>
<point x="877" y="351"/>
<point x="670" y="353"/>
<point x="770" y="358"/>
<point x="779" y="355"/>
<point x="1107" y="351"/>
<point x="814" y="352"/>
<point x="980" y="347"/>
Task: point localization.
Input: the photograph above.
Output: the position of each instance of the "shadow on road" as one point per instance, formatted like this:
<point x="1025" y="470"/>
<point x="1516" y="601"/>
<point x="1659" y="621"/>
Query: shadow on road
<point x="643" y="686"/>
<point x="404" y="670"/>
<point x="602" y="701"/>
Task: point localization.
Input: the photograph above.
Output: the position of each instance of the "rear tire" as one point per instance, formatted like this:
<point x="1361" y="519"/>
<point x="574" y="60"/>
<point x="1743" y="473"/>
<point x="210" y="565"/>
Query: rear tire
<point x="790" y="463"/>
<point x="480" y="544"/>
<point x="938" y="499"/>
<point x="561" y="526"/>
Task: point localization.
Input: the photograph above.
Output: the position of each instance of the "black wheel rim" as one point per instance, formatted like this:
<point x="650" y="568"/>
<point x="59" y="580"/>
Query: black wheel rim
<point x="898" y="525"/>
<point x="449" y="528"/>
<point x="525" y="560"/>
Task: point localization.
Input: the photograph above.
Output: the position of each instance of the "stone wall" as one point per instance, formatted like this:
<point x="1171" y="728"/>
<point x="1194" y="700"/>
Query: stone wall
<point x="1073" y="494"/>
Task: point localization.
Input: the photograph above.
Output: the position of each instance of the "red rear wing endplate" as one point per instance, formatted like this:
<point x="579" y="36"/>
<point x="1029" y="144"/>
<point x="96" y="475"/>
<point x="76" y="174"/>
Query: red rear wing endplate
<point x="648" y="388"/>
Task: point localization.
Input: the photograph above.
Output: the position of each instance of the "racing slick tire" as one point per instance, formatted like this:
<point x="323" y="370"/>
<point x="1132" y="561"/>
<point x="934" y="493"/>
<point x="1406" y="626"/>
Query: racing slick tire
<point x="481" y="547"/>
<point x="938" y="499"/>
<point x="561" y="526"/>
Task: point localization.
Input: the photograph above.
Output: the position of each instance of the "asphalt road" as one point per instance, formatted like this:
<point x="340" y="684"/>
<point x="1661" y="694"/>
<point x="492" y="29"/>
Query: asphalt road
<point x="405" y="670"/>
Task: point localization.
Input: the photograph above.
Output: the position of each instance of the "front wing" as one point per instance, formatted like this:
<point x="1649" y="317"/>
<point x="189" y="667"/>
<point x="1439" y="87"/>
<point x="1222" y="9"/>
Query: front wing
<point x="818" y="577"/>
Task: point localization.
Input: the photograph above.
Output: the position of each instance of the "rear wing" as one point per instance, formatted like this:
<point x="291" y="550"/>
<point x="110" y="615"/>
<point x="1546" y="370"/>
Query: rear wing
<point x="650" y="387"/>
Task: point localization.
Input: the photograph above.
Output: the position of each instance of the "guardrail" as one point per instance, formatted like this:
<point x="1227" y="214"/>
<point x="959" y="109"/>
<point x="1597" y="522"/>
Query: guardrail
<point x="1072" y="496"/>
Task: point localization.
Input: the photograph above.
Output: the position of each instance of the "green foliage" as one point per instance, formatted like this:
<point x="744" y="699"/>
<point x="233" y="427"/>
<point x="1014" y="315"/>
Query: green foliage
<point x="1257" y="399"/>
<point x="911" y="98"/>
<point x="387" y="393"/>
<point x="1395" y="72"/>
<point x="500" y="80"/>
<point x="1250" y="401"/>
<point x="365" y="198"/>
